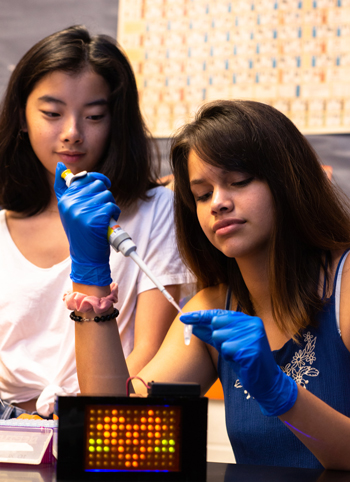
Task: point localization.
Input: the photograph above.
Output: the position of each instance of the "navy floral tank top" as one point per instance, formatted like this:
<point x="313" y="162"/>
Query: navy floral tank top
<point x="320" y="364"/>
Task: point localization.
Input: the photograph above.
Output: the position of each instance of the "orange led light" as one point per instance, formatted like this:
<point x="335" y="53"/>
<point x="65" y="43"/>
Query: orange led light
<point x="133" y="437"/>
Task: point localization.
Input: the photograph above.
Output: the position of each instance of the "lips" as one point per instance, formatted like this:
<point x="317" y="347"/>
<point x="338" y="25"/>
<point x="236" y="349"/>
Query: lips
<point x="70" y="156"/>
<point x="226" y="226"/>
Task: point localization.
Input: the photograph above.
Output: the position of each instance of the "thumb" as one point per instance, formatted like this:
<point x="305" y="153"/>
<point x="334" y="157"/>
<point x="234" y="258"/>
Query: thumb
<point x="60" y="184"/>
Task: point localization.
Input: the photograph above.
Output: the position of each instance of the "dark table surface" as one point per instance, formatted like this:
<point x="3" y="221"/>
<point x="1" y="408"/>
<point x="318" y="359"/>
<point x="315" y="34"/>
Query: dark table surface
<point x="216" y="472"/>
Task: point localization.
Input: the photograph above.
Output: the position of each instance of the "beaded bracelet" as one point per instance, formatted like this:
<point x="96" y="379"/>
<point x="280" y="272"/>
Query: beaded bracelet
<point x="108" y="317"/>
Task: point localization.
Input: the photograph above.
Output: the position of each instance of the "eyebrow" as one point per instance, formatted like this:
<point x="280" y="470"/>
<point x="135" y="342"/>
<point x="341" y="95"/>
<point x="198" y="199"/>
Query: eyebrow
<point x="223" y="173"/>
<point x="50" y="99"/>
<point x="196" y="181"/>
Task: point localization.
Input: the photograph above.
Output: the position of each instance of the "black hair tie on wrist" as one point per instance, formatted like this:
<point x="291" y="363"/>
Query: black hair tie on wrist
<point x="108" y="317"/>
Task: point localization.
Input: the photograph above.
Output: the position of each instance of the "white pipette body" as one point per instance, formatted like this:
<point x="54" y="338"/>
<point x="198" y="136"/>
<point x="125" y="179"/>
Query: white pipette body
<point x="122" y="242"/>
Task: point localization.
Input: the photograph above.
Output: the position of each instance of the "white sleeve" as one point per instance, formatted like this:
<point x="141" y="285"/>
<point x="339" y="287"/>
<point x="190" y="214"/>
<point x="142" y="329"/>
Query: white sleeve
<point x="161" y="254"/>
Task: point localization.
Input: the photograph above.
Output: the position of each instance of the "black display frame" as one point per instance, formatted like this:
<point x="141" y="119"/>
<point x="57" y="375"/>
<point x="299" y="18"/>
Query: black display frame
<point x="71" y="438"/>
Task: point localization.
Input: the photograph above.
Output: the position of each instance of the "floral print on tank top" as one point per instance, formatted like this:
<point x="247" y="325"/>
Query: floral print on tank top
<point x="300" y="366"/>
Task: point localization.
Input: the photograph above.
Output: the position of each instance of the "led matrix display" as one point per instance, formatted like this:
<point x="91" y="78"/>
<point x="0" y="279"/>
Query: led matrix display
<point x="127" y="438"/>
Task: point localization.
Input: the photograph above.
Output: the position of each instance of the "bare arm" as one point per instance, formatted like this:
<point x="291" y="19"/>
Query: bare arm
<point x="102" y="368"/>
<point x="154" y="315"/>
<point x="177" y="362"/>
<point x="324" y="431"/>
<point x="100" y="359"/>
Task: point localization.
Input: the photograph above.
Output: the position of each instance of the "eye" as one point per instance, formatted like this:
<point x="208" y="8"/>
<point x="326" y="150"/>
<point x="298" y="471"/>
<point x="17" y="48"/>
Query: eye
<point x="203" y="197"/>
<point x="244" y="182"/>
<point x="50" y="114"/>
<point x="96" y="117"/>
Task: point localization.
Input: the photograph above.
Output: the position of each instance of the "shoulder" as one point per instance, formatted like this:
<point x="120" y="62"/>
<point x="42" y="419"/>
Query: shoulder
<point x="208" y="298"/>
<point x="344" y="308"/>
<point x="159" y="208"/>
<point x="161" y="194"/>
<point x="157" y="199"/>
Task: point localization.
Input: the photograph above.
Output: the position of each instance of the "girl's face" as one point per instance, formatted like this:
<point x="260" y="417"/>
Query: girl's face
<point x="67" y="119"/>
<point x="234" y="209"/>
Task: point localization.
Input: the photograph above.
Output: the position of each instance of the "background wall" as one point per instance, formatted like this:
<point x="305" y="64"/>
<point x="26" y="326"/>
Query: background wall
<point x="24" y="22"/>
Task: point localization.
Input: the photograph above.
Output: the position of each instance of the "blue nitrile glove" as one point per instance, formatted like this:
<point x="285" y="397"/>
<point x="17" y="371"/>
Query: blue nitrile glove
<point x="201" y="322"/>
<point x="242" y="339"/>
<point x="86" y="208"/>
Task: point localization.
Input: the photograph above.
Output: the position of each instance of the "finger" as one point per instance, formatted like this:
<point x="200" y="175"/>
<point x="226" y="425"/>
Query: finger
<point x="232" y="334"/>
<point x="90" y="178"/>
<point x="87" y="190"/>
<point x="102" y="214"/>
<point x="200" y="317"/>
<point x="103" y="199"/>
<point x="60" y="185"/>
<point x="227" y="317"/>
<point x="203" y="332"/>
<point x="96" y="194"/>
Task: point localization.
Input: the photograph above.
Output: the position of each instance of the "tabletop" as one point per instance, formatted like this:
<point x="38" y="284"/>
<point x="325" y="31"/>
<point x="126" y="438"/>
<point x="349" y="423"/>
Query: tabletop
<point x="216" y="472"/>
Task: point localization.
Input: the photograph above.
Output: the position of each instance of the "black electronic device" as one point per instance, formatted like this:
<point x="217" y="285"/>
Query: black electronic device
<point x="158" y="438"/>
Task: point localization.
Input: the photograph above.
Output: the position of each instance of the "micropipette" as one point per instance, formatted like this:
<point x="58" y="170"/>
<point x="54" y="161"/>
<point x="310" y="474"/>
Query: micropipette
<point x="122" y="242"/>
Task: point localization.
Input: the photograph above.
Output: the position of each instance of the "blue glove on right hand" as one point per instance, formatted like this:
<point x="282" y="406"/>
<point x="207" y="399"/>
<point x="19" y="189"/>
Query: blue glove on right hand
<point x="86" y="208"/>
<point x="241" y="339"/>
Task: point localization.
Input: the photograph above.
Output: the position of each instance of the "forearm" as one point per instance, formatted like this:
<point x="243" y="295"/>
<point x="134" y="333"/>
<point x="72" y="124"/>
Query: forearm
<point x="137" y="360"/>
<point x="100" y="359"/>
<point x="323" y="430"/>
<point x="154" y="316"/>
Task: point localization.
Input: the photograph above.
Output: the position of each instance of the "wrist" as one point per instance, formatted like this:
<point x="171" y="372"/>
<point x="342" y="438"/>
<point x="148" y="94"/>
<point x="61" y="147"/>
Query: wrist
<point x="91" y="316"/>
<point x="90" y="301"/>
<point x="281" y="397"/>
<point x="93" y="275"/>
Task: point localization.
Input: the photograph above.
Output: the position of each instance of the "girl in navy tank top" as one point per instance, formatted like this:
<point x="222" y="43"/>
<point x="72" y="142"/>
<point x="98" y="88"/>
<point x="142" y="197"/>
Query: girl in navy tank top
<point x="267" y="235"/>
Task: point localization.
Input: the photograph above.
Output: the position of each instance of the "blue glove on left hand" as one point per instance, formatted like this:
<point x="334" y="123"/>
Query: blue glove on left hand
<point x="241" y="339"/>
<point x="86" y="208"/>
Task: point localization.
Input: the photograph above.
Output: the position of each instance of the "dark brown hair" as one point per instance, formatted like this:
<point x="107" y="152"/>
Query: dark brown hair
<point x="311" y="216"/>
<point x="127" y="160"/>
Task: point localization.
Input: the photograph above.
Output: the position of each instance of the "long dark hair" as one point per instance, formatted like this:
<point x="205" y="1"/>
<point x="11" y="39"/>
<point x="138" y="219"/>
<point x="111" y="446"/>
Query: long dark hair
<point x="128" y="159"/>
<point x="311" y="215"/>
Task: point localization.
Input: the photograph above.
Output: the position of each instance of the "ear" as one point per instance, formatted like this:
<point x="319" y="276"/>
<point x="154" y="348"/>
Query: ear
<point x="23" y="121"/>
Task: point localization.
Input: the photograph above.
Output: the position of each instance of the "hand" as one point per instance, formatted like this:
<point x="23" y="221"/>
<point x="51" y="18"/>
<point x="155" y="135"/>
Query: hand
<point x="201" y="321"/>
<point x="242" y="339"/>
<point x="86" y="208"/>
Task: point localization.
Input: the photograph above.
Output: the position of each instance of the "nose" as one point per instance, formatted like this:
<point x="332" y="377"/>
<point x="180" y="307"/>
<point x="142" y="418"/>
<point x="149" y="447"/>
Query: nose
<point x="221" y="201"/>
<point x="71" y="132"/>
